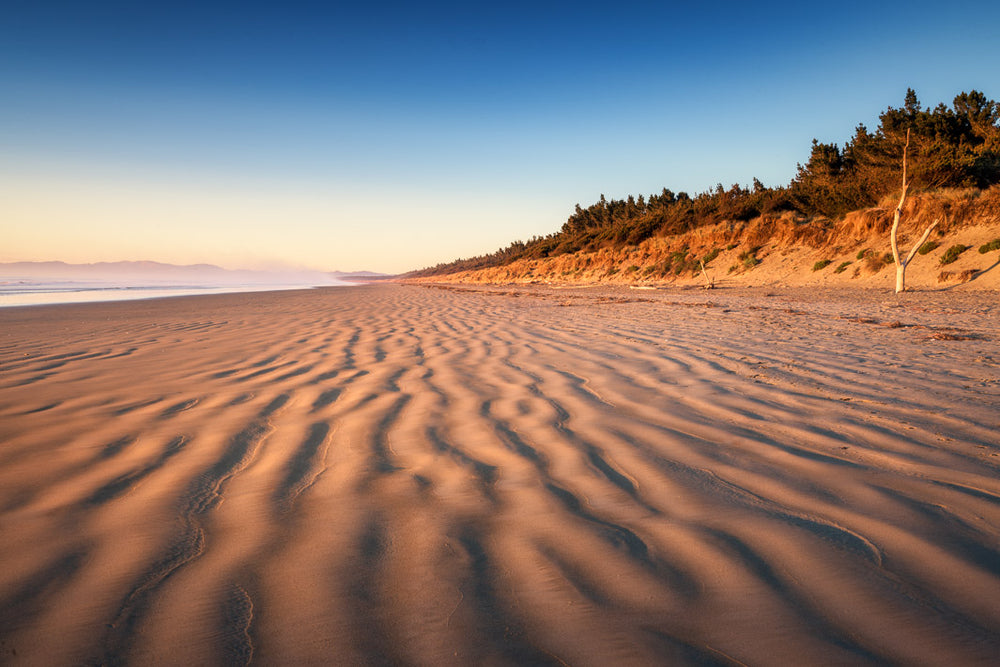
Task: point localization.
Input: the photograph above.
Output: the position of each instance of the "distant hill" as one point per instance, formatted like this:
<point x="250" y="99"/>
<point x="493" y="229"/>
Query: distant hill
<point x="156" y="273"/>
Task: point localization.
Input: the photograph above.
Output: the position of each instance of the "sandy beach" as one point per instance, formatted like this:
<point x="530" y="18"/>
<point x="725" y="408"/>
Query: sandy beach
<point x="406" y="474"/>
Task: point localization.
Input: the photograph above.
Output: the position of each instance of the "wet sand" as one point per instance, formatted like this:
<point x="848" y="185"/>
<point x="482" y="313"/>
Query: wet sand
<point x="417" y="475"/>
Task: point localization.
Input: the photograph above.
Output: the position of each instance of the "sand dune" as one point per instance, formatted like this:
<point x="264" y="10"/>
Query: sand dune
<point x="417" y="475"/>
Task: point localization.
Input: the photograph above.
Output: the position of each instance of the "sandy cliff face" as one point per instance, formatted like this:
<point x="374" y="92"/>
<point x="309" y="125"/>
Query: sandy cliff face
<point x="794" y="251"/>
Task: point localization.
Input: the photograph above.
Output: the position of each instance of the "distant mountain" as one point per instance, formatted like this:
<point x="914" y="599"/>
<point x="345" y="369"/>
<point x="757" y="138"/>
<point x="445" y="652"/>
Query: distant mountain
<point x="156" y="273"/>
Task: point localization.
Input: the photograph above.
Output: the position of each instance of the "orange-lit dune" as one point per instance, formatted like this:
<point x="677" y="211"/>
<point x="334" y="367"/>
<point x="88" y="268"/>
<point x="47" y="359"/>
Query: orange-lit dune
<point x="416" y="475"/>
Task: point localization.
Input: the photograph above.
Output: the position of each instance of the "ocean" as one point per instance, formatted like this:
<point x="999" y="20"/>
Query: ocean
<point x="26" y="293"/>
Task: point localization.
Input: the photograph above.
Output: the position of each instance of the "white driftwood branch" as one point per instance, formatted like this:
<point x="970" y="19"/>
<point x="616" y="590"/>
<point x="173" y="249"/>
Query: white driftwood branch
<point x="927" y="232"/>
<point x="899" y="208"/>
<point x="708" y="282"/>
<point x="902" y="263"/>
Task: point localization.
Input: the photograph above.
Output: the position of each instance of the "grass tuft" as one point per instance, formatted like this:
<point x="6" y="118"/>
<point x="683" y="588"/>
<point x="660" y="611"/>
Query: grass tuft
<point x="927" y="247"/>
<point x="952" y="253"/>
<point x="989" y="247"/>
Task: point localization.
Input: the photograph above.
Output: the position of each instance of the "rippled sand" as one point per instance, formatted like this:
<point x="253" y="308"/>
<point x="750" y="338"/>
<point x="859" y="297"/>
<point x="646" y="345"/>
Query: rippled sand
<point x="414" y="475"/>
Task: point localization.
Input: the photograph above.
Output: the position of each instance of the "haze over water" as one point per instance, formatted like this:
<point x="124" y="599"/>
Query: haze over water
<point x="42" y="294"/>
<point x="55" y="282"/>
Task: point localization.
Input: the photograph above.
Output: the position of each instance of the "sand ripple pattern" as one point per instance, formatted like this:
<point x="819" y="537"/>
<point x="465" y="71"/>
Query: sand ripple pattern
<point x="417" y="475"/>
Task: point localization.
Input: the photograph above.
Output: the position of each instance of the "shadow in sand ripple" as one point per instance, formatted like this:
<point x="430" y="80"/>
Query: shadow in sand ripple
<point x="370" y="611"/>
<point x="325" y="399"/>
<point x="20" y="606"/>
<point x="237" y="643"/>
<point x="485" y="474"/>
<point x="302" y="468"/>
<point x="123" y="483"/>
<point x="177" y="408"/>
<point x="504" y="632"/>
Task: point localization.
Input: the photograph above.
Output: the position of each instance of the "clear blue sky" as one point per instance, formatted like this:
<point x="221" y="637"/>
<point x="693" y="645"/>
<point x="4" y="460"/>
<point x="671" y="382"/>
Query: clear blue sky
<point x="391" y="136"/>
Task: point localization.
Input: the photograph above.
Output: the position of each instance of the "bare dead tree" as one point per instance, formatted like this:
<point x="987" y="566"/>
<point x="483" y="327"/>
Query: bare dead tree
<point x="901" y="264"/>
<point x="709" y="283"/>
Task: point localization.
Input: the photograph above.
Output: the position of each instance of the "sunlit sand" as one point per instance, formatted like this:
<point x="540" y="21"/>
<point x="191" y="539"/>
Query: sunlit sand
<point x="420" y="475"/>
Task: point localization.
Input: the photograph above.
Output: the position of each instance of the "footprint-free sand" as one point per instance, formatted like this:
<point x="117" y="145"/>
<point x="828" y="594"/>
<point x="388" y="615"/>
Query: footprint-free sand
<point x="401" y="474"/>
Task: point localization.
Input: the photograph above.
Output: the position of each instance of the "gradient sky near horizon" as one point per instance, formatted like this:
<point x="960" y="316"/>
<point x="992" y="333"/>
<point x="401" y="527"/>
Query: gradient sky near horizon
<point x="392" y="136"/>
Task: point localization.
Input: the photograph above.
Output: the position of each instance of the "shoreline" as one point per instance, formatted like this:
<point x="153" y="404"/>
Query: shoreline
<point x="80" y="295"/>
<point x="458" y="474"/>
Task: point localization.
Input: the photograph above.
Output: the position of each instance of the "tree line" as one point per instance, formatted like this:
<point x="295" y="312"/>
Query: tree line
<point x="957" y="146"/>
